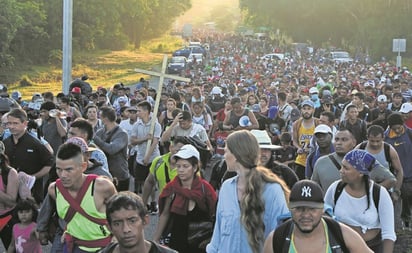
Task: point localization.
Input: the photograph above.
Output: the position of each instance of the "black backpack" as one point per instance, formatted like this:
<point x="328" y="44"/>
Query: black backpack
<point x="282" y="236"/>
<point x="376" y="193"/>
<point x="214" y="171"/>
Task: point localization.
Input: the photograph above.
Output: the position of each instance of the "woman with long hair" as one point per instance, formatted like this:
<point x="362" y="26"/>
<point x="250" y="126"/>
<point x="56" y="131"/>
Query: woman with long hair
<point x="184" y="200"/>
<point x="256" y="197"/>
<point x="354" y="199"/>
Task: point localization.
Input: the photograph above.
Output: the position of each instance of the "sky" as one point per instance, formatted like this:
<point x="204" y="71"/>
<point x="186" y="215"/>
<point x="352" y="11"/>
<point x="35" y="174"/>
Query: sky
<point x="200" y="12"/>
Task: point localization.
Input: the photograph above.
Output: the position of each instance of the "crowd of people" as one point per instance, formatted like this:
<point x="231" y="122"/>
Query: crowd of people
<point x="314" y="157"/>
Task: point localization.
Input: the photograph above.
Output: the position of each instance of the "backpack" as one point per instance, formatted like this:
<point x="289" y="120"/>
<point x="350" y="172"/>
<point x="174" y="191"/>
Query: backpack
<point x="386" y="149"/>
<point x="282" y="236"/>
<point x="214" y="170"/>
<point x="375" y="193"/>
<point x="201" y="147"/>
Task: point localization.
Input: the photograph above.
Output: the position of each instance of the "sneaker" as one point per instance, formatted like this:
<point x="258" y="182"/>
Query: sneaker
<point x="153" y="208"/>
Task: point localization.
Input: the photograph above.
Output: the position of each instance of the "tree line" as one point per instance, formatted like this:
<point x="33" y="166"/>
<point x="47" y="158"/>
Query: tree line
<point x="31" y="30"/>
<point x="367" y="25"/>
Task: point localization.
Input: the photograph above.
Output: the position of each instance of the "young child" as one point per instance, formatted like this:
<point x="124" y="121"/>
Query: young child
<point x="24" y="239"/>
<point x="287" y="154"/>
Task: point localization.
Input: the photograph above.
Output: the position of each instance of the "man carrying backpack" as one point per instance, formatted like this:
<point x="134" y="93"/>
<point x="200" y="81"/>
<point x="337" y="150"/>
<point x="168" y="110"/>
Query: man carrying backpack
<point x="400" y="137"/>
<point x="309" y="230"/>
<point x="386" y="155"/>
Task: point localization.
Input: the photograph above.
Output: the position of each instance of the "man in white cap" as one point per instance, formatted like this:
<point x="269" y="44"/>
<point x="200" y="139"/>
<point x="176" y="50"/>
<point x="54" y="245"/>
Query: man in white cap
<point x="217" y="100"/>
<point x="267" y="160"/>
<point x="406" y="110"/>
<point x="323" y="137"/>
<point x="309" y="230"/>
<point x="379" y="115"/>
<point x="314" y="96"/>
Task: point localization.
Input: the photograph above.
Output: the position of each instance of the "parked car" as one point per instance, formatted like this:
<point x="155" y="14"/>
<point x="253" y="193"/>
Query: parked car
<point x="186" y="51"/>
<point x="197" y="50"/>
<point x="176" y="65"/>
<point x="274" y="56"/>
<point x="339" y="57"/>
<point x="198" y="56"/>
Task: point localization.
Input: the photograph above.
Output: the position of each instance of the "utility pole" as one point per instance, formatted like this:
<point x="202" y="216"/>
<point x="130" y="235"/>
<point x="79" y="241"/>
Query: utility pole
<point x="67" y="44"/>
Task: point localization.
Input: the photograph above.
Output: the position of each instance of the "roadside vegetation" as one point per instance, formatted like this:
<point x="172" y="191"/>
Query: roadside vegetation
<point x="103" y="67"/>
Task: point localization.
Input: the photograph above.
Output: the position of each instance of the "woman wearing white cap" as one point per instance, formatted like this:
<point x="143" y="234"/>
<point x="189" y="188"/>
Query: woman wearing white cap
<point x="187" y="198"/>
<point x="249" y="203"/>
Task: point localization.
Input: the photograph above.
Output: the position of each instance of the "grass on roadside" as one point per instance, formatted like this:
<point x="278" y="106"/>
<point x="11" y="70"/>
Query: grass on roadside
<point x="104" y="68"/>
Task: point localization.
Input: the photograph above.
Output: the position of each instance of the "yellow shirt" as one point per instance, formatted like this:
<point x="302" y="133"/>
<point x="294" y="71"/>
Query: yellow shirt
<point x="304" y="138"/>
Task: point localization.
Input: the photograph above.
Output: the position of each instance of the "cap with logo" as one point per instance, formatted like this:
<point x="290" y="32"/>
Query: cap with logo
<point x="382" y="99"/>
<point x="306" y="193"/>
<point x="406" y="108"/>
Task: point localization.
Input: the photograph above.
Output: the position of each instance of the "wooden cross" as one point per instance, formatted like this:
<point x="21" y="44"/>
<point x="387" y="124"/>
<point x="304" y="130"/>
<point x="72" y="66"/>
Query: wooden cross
<point x="161" y="76"/>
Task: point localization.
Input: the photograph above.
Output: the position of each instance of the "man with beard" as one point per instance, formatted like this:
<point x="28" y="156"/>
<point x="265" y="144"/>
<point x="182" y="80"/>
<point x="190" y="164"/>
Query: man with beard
<point x="326" y="169"/>
<point x="308" y="230"/>
<point x="302" y="134"/>
<point x="267" y="160"/>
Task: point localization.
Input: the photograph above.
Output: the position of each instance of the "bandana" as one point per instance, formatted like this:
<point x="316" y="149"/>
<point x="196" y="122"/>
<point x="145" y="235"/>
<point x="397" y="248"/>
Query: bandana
<point x="361" y="160"/>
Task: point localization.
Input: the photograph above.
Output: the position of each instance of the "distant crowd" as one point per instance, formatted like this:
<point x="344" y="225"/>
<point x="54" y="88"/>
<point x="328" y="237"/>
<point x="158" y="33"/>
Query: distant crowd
<point x="249" y="149"/>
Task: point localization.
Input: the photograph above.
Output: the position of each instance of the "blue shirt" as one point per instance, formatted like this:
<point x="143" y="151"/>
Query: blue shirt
<point x="229" y="235"/>
<point x="402" y="145"/>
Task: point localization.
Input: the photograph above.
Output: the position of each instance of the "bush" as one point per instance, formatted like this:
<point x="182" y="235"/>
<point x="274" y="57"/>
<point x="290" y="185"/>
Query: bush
<point x="25" y="81"/>
<point x="55" y="57"/>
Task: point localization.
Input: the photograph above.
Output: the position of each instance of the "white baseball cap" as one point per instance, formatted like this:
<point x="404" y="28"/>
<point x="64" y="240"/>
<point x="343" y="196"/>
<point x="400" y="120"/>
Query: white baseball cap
<point x="313" y="90"/>
<point x="187" y="151"/>
<point x="322" y="128"/>
<point x="406" y="108"/>
<point x="382" y="98"/>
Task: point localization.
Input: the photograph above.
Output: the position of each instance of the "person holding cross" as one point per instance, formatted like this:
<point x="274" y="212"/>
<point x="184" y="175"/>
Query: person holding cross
<point x="140" y="135"/>
<point x="81" y="201"/>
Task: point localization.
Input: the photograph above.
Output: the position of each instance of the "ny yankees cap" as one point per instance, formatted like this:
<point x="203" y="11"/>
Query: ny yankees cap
<point x="306" y="193"/>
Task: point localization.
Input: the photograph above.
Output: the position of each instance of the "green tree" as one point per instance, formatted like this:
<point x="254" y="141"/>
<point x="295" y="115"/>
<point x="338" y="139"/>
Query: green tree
<point x="10" y="23"/>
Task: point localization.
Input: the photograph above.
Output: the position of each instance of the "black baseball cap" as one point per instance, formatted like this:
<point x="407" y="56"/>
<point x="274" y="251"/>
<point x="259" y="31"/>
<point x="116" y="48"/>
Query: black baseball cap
<point x="306" y="193"/>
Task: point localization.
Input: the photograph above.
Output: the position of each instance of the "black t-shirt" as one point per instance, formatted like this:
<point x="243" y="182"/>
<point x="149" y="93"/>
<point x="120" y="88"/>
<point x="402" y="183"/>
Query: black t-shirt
<point x="30" y="156"/>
